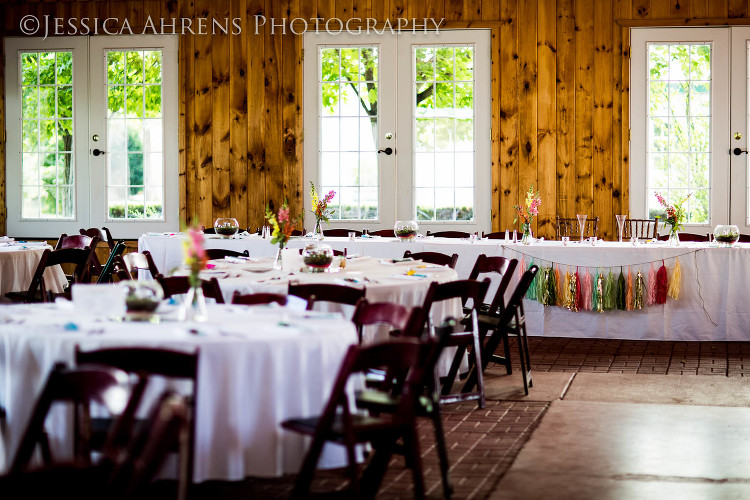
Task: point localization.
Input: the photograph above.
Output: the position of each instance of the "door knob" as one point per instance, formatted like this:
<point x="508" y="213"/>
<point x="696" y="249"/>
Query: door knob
<point x="388" y="151"/>
<point x="97" y="152"/>
<point x="738" y="151"/>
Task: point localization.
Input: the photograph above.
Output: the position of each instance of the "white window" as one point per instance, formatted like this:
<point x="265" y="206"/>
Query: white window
<point x="86" y="134"/>
<point x="399" y="127"/>
<point x="680" y="124"/>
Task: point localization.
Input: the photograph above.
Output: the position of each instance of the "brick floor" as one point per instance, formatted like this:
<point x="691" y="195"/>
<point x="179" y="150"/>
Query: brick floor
<point x="483" y="443"/>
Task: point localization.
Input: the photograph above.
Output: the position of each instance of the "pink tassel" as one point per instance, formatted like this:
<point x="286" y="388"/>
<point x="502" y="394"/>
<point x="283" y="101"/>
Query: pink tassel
<point x="579" y="295"/>
<point x="662" y="284"/>
<point x="586" y="291"/>
<point x="521" y="267"/>
<point x="629" y="292"/>
<point x="651" y="287"/>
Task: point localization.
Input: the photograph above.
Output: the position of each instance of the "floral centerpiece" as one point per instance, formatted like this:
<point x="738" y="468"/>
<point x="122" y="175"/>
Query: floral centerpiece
<point x="282" y="226"/>
<point x="676" y="215"/>
<point x="195" y="259"/>
<point x="526" y="213"/>
<point x="320" y="208"/>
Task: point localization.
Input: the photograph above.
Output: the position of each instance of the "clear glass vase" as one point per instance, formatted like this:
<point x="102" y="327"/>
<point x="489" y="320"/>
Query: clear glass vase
<point x="318" y="231"/>
<point x="195" y="305"/>
<point x="527" y="238"/>
<point x="674" y="237"/>
<point x="278" y="263"/>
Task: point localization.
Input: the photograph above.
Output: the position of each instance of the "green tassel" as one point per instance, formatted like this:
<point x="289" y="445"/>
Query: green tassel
<point x="621" y="304"/>
<point x="610" y="292"/>
<point x="540" y="285"/>
<point x="531" y="292"/>
<point x="552" y="288"/>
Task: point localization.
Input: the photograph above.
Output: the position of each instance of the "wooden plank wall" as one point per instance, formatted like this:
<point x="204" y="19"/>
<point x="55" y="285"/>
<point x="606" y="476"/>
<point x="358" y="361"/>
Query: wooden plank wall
<point x="560" y="95"/>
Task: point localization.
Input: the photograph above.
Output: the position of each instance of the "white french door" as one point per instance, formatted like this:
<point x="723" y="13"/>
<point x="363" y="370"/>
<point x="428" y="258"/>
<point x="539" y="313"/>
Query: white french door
<point x="92" y="134"/>
<point x="689" y="124"/>
<point x="398" y="126"/>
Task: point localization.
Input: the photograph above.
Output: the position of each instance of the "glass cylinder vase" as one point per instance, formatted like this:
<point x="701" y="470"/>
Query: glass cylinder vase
<point x="527" y="238"/>
<point x="318" y="231"/>
<point x="195" y="305"/>
<point x="674" y="237"/>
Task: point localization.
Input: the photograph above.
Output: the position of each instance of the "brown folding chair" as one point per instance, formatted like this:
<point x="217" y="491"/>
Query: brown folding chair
<point x="254" y="299"/>
<point x="643" y="229"/>
<point x="81" y="241"/>
<point x="220" y="253"/>
<point x="325" y="292"/>
<point x="403" y="321"/>
<point x="438" y="258"/>
<point x="78" y="387"/>
<point x="37" y="291"/>
<point x="178" y="285"/>
<point x="385" y="233"/>
<point x="144" y="363"/>
<point x="493" y="266"/>
<point x="688" y="237"/>
<point x="340" y="232"/>
<point x="103" y="234"/>
<point x="449" y="234"/>
<point x="128" y="265"/>
<point x="569" y="227"/>
<point x="511" y="321"/>
<point x="339" y="425"/>
<point x="466" y="290"/>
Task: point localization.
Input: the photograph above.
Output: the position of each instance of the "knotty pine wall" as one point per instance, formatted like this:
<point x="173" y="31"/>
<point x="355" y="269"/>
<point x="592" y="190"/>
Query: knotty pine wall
<point x="560" y="96"/>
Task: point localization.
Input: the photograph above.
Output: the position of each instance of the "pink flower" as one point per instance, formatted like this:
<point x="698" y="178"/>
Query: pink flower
<point x="283" y="215"/>
<point x="196" y="244"/>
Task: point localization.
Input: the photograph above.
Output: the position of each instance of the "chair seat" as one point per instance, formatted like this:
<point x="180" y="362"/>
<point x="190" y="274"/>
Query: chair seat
<point x="21" y="296"/>
<point x="366" y="427"/>
<point x="382" y="402"/>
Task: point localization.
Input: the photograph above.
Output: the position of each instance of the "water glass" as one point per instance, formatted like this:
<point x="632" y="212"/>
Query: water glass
<point x="352" y="235"/>
<point x="565" y="240"/>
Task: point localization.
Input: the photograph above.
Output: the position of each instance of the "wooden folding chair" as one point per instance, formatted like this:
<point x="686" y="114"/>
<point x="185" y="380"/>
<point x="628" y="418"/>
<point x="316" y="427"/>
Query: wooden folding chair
<point x="438" y="258"/>
<point x="178" y="285"/>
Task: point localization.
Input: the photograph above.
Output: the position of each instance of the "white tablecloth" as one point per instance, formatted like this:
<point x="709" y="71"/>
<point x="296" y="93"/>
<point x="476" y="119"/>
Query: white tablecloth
<point x="713" y="302"/>
<point x="18" y="262"/>
<point x="253" y="374"/>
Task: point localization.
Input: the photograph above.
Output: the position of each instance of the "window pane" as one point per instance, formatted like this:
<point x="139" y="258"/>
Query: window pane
<point x="679" y="127"/>
<point x="444" y="133"/>
<point x="348" y="93"/>
<point x="134" y="144"/>
<point x="47" y="111"/>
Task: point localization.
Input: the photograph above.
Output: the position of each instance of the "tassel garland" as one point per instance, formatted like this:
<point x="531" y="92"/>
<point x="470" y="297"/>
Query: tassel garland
<point x="621" y="291"/>
<point x="559" y="290"/>
<point x="676" y="281"/>
<point x="531" y="292"/>
<point x="638" y="293"/>
<point x="597" y="293"/>
<point x="610" y="292"/>
<point x="586" y="291"/>
<point x="661" y="284"/>
<point x="651" y="287"/>
<point x="629" y="291"/>
<point x="566" y="291"/>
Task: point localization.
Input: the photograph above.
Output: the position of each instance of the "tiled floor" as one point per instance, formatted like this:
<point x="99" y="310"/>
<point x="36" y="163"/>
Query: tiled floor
<point x="483" y="444"/>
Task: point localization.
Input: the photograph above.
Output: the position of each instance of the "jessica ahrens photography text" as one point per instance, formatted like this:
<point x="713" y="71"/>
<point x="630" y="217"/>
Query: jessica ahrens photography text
<point x="59" y="26"/>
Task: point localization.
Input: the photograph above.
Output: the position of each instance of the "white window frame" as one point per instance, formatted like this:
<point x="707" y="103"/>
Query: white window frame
<point x="719" y="178"/>
<point x="396" y="199"/>
<point x="90" y="170"/>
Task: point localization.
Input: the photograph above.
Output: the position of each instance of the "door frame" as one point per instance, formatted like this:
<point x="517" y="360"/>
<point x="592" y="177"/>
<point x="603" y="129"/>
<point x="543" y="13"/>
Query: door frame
<point x="739" y="212"/>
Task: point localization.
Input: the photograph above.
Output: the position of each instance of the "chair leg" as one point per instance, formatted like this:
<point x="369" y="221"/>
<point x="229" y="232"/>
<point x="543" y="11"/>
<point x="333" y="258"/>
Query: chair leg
<point x="523" y="365"/>
<point x="442" y="450"/>
<point x="480" y="374"/>
<point x="307" y="471"/>
<point x="453" y="371"/>
<point x="372" y="476"/>
<point x="528" y="357"/>
<point x="411" y="448"/>
<point x="506" y="346"/>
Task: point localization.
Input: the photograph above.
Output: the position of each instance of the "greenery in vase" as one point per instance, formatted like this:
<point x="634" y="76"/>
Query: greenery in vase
<point x="676" y="213"/>
<point x="406" y="232"/>
<point x="227" y="230"/>
<point x="319" y="259"/>
<point x="727" y="237"/>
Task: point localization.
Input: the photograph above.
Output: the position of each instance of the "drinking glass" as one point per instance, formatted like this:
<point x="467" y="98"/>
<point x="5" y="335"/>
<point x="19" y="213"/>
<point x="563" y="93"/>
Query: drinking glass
<point x="620" y="225"/>
<point x="581" y="223"/>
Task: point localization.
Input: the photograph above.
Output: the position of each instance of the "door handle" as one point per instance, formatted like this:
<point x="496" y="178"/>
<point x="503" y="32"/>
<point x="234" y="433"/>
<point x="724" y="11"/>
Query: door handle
<point x="738" y="151"/>
<point x="97" y="152"/>
<point x="388" y="151"/>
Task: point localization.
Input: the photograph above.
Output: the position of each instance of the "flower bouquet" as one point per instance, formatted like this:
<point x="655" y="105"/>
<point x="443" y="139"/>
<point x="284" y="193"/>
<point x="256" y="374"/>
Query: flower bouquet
<point x="676" y="215"/>
<point x="526" y="213"/>
<point x="320" y="208"/>
<point x="282" y="226"/>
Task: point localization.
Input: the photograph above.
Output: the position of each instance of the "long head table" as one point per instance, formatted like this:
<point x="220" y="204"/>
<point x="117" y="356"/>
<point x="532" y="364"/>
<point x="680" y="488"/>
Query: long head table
<point x="254" y="372"/>
<point x="712" y="303"/>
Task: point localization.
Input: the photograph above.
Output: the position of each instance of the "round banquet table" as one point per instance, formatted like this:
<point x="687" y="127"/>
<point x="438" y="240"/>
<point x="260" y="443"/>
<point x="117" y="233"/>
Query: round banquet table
<point x="254" y="372"/>
<point x="18" y="261"/>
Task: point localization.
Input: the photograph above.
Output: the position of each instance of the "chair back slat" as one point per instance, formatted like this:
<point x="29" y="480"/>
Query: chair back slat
<point x="253" y="299"/>
<point x="178" y="285"/>
<point x="449" y="234"/>
<point x="438" y="258"/>
<point x="220" y="253"/>
<point x="326" y="292"/>
<point x="340" y="232"/>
